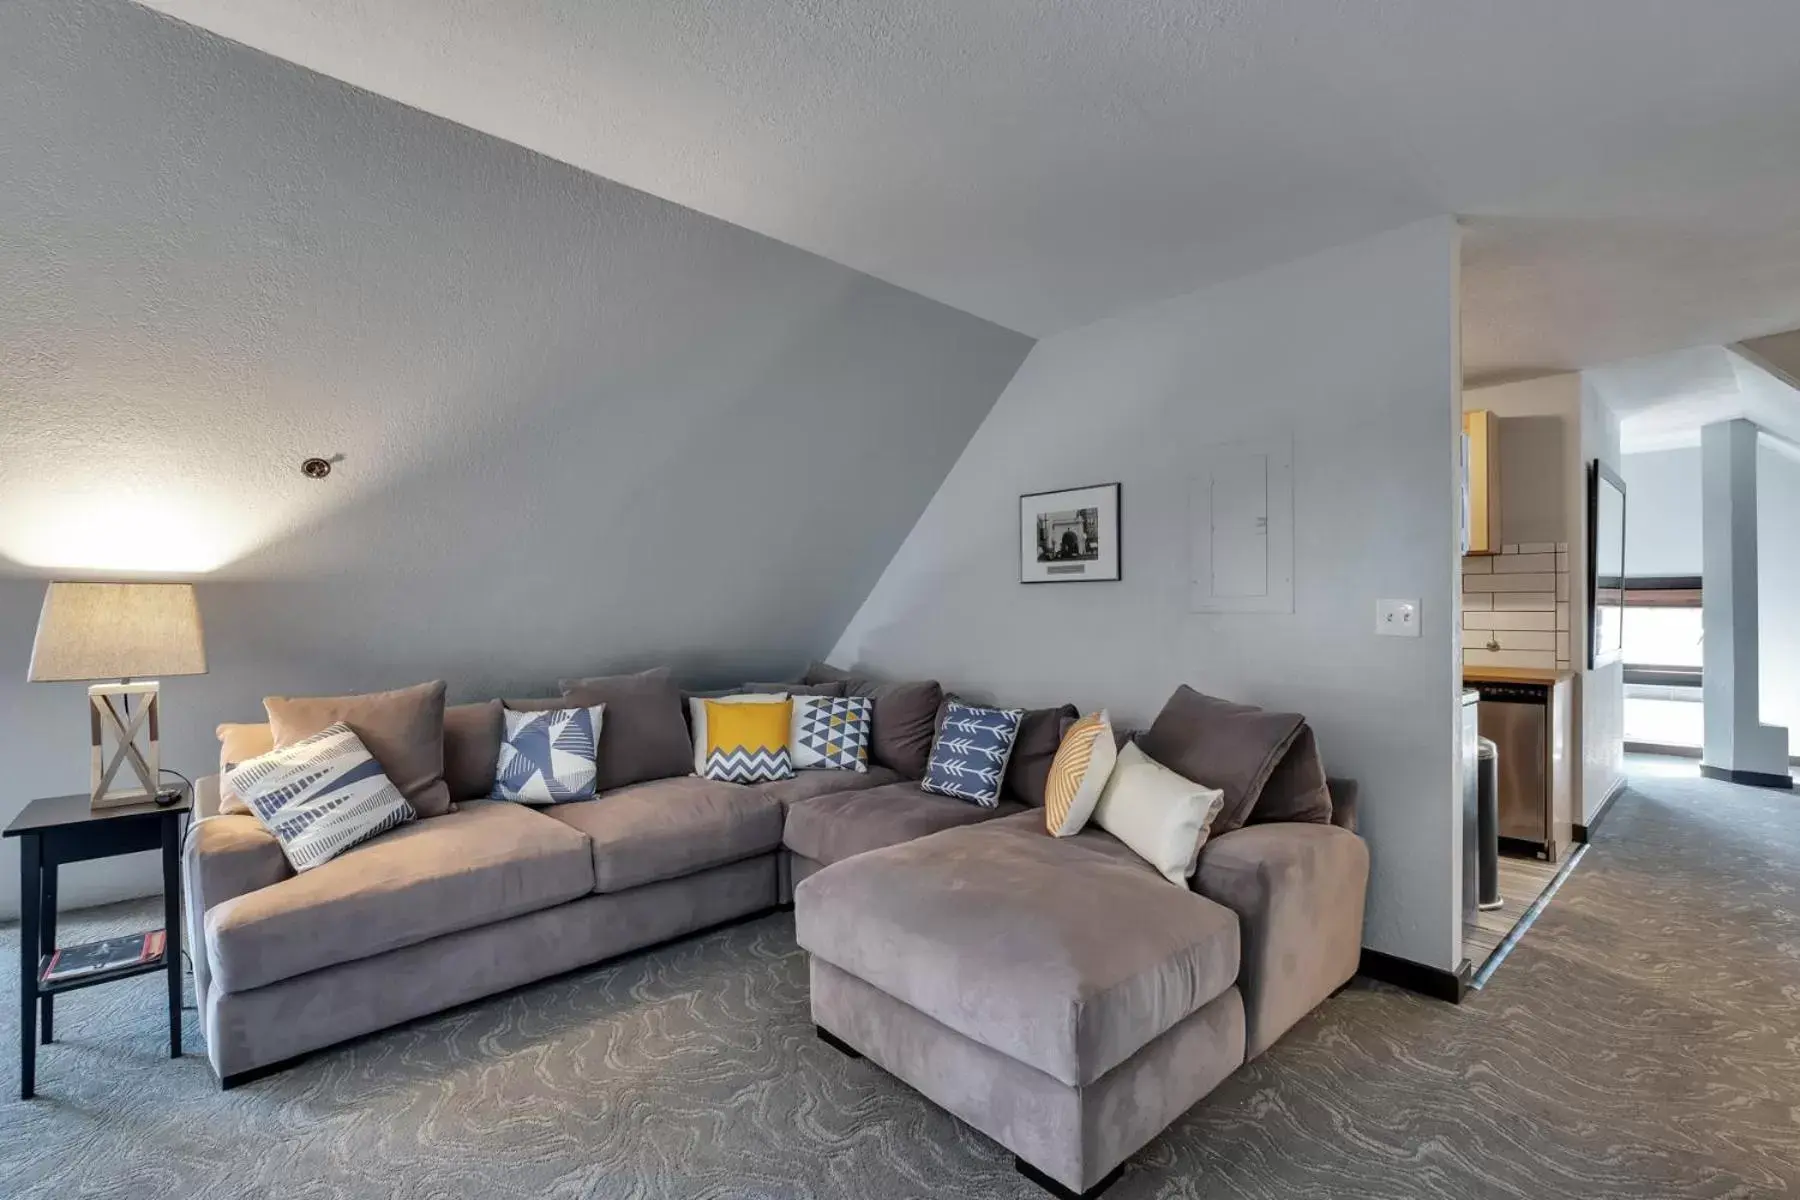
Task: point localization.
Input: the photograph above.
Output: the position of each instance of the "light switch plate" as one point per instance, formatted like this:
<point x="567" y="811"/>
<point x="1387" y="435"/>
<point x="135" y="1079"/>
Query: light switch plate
<point x="1397" y="618"/>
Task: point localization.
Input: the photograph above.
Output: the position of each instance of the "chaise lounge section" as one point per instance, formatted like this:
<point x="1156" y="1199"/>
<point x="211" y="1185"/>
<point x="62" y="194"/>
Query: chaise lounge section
<point x="1059" y="994"/>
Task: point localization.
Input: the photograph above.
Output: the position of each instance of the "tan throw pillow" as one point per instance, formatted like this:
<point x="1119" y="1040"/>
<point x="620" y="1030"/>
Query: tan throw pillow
<point x="239" y="744"/>
<point x="1160" y="816"/>
<point x="403" y="731"/>
<point x="1078" y="774"/>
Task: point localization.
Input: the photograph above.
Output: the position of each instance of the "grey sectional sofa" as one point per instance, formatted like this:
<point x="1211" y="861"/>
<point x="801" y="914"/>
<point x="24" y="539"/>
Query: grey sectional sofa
<point x="1059" y="995"/>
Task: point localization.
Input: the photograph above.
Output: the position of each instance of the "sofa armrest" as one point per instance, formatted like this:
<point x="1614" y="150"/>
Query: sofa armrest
<point x="206" y="796"/>
<point x="1298" y="890"/>
<point x="222" y="858"/>
<point x="1343" y="802"/>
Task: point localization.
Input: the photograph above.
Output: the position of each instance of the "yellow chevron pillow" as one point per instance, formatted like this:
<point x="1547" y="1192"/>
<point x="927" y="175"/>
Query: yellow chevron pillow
<point x="747" y="743"/>
<point x="1083" y="763"/>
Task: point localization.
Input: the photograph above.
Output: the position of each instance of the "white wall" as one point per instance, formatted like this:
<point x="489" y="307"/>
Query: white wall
<point x="1602" y="734"/>
<point x="1662" y="512"/>
<point x="1352" y="352"/>
<point x="1778" y="567"/>
<point x="581" y="427"/>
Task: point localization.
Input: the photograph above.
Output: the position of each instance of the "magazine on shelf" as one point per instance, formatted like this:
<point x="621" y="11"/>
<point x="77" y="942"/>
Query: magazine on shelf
<point x="95" y="958"/>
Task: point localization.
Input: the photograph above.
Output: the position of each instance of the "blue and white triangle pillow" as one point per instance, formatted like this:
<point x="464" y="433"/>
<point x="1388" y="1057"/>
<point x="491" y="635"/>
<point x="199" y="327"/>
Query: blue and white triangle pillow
<point x="320" y="796"/>
<point x="968" y="759"/>
<point x="548" y="757"/>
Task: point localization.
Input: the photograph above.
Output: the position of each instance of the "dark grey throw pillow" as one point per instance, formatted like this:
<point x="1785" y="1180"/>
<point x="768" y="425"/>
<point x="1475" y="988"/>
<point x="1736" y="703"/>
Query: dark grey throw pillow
<point x="799" y="689"/>
<point x="643" y="734"/>
<point x="1297" y="789"/>
<point x="472" y="734"/>
<point x="1040" y="735"/>
<point x="905" y="721"/>
<point x="1232" y="747"/>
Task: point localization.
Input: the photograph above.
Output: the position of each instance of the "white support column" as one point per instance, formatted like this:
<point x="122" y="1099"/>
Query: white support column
<point x="1738" y="745"/>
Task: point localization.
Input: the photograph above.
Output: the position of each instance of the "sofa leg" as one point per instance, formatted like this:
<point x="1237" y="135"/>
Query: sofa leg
<point x="836" y="1043"/>
<point x="1058" y="1190"/>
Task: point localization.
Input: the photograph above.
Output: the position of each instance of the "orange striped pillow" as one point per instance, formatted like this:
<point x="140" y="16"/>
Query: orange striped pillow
<point x="1078" y="773"/>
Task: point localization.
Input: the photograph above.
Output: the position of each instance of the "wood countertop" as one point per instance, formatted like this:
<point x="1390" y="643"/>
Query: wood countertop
<point x="1548" y="675"/>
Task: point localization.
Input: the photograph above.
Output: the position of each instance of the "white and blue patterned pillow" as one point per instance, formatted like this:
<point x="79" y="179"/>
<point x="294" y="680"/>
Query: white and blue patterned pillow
<point x="548" y="757"/>
<point x="968" y="760"/>
<point x="831" y="733"/>
<point x="320" y="796"/>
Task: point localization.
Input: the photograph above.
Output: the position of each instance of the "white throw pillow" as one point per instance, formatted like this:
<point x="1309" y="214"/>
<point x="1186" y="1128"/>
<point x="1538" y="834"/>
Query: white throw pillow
<point x="697" y="718"/>
<point x="320" y="796"/>
<point x="1160" y="815"/>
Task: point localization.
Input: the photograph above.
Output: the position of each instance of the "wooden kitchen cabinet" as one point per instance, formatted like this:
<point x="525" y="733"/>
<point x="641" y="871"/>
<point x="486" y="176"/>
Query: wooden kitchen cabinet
<point x="1481" y="434"/>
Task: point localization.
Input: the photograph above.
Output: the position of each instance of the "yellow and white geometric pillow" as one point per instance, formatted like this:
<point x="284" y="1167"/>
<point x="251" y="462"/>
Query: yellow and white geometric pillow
<point x="744" y="742"/>
<point x="1078" y="774"/>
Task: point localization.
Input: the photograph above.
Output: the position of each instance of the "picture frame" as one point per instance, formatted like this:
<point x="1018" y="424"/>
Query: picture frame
<point x="1071" y="535"/>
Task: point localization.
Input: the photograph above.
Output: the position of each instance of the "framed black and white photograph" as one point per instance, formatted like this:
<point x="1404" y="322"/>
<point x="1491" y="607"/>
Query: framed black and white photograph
<point x="1070" y="536"/>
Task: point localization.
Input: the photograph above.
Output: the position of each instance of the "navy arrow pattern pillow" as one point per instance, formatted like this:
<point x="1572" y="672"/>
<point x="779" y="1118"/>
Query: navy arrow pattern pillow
<point x="968" y="759"/>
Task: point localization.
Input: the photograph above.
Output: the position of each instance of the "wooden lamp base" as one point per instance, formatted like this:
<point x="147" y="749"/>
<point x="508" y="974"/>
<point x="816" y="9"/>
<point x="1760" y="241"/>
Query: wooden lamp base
<point x="134" y="743"/>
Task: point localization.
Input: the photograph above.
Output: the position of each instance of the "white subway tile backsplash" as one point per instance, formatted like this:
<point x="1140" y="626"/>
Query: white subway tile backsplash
<point x="1525" y="601"/>
<point x="1510" y="620"/>
<point x="1515" y="564"/>
<point x="1519" y="601"/>
<point x="1530" y="581"/>
<point x="1519" y="639"/>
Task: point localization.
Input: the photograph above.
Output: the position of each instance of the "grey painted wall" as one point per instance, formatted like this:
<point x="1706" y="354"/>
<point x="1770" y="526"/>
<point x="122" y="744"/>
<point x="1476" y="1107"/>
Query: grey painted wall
<point x="1351" y="352"/>
<point x="581" y="427"/>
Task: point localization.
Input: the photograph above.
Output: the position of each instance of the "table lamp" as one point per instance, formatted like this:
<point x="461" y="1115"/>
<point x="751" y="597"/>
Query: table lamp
<point x="119" y="631"/>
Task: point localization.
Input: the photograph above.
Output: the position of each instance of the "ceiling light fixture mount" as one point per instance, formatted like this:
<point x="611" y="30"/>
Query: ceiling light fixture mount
<point x="316" y="468"/>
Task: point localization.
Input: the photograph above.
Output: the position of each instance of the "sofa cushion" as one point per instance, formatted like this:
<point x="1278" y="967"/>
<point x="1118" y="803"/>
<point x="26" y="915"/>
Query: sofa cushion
<point x="671" y="827"/>
<point x="1067" y="954"/>
<point x="645" y="736"/>
<point x="807" y="784"/>
<point x="403" y="729"/>
<point x="1232" y="747"/>
<point x="239" y="743"/>
<point x="833" y="827"/>
<point x="472" y="734"/>
<point x="799" y="689"/>
<point x="905" y="721"/>
<point x="1040" y="736"/>
<point x="483" y="863"/>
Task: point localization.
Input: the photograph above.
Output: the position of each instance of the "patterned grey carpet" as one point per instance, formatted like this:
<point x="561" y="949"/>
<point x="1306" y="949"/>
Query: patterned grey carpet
<point x="1643" y="1041"/>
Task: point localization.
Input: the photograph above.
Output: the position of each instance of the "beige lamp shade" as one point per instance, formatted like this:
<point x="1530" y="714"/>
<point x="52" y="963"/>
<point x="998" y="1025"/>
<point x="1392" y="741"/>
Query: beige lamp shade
<point x="117" y="631"/>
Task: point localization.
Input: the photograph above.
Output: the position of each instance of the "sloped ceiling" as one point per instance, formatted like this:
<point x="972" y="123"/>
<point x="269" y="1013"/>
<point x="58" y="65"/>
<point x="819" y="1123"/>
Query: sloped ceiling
<point x="1664" y="400"/>
<point x="1628" y="168"/>
<point x="577" y="426"/>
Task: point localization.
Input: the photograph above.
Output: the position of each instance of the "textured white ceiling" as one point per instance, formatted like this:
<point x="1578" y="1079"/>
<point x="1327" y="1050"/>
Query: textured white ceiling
<point x="1664" y="400"/>
<point x="1629" y="163"/>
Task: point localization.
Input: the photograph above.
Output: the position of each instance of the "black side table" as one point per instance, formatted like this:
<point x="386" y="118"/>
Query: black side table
<point x="65" y="829"/>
